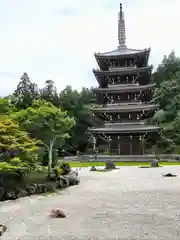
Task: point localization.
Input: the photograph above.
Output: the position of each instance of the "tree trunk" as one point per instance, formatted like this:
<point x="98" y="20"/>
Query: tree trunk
<point x="50" y="158"/>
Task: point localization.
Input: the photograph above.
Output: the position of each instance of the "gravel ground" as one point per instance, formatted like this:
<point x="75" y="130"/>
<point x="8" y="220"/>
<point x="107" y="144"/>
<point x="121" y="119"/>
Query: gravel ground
<point x="130" y="203"/>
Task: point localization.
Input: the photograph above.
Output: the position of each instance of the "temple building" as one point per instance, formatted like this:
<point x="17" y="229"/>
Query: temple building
<point x="123" y="98"/>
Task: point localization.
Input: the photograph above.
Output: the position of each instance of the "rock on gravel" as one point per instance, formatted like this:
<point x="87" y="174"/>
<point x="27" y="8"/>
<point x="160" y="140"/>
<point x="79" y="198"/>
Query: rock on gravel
<point x="3" y="228"/>
<point x="57" y="213"/>
<point x="126" y="204"/>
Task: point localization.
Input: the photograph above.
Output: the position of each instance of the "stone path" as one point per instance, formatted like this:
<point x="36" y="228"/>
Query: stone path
<point x="130" y="203"/>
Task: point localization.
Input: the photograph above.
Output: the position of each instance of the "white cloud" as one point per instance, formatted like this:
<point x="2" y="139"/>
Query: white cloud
<point x="56" y="39"/>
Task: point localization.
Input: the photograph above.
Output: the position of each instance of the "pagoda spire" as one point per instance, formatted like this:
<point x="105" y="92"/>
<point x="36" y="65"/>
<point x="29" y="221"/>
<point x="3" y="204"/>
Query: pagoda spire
<point x="121" y="28"/>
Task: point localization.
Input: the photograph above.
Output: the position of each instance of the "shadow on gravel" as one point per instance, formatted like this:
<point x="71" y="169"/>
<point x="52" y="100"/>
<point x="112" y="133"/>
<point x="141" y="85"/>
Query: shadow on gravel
<point x="169" y="175"/>
<point x="149" y="167"/>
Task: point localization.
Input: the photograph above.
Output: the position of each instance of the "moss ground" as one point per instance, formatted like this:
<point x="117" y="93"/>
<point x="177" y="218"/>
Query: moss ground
<point x="37" y="177"/>
<point x="89" y="164"/>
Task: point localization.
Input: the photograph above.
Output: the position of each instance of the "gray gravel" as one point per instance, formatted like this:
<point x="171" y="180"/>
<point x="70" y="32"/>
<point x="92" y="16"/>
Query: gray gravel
<point x="130" y="203"/>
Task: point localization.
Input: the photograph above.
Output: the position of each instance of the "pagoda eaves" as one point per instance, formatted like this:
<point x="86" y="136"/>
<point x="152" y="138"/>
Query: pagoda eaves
<point x="125" y="108"/>
<point x="136" y="128"/>
<point x="121" y="52"/>
<point x="123" y="89"/>
<point x="122" y="71"/>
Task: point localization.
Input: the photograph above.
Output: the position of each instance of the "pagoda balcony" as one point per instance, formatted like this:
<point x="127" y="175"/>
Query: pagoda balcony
<point x="124" y="97"/>
<point x="118" y="123"/>
<point x="125" y="129"/>
<point x="122" y="88"/>
<point x="122" y="71"/>
<point x="110" y="78"/>
<point x="124" y="117"/>
<point x="124" y="108"/>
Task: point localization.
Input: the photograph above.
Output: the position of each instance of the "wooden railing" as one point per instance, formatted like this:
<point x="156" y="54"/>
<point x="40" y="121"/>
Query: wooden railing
<point x="110" y="152"/>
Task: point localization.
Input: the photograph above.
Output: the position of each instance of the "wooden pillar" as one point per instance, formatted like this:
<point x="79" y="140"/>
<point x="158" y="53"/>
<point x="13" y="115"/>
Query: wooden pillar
<point x="119" y="146"/>
<point x="94" y="143"/>
<point x="130" y="147"/>
<point x="119" y="149"/>
<point x="143" y="150"/>
<point x="141" y="144"/>
<point x="110" y="140"/>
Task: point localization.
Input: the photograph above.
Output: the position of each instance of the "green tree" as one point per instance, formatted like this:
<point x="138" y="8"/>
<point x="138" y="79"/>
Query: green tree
<point x="25" y="93"/>
<point x="5" y="106"/>
<point x="168" y="67"/>
<point x="16" y="143"/>
<point x="75" y="103"/>
<point x="49" y="93"/>
<point x="46" y="123"/>
<point x="167" y="97"/>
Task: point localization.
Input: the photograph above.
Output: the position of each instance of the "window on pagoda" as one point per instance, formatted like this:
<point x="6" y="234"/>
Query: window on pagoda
<point x="114" y="80"/>
<point x="118" y="63"/>
<point x="106" y="64"/>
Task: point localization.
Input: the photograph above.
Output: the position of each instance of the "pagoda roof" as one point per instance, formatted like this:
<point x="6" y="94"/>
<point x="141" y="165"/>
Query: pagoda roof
<point x="123" y="88"/>
<point x="122" y="70"/>
<point x="123" y="51"/>
<point x="125" y="108"/>
<point x="126" y="128"/>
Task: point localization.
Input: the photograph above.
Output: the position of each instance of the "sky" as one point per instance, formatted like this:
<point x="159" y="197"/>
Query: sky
<point x="56" y="39"/>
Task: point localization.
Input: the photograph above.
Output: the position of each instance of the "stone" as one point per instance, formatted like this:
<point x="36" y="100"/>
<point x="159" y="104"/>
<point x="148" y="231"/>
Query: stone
<point x="31" y="189"/>
<point x="78" y="180"/>
<point x="65" y="168"/>
<point x="169" y="175"/>
<point x="66" y="182"/>
<point x="155" y="163"/>
<point x="56" y="184"/>
<point x="49" y="187"/>
<point x="56" y="213"/>
<point x="21" y="193"/>
<point x="61" y="183"/>
<point x="40" y="188"/>
<point x="73" y="178"/>
<point x="93" y="168"/>
<point x="110" y="165"/>
<point x="10" y="195"/>
<point x="3" y="228"/>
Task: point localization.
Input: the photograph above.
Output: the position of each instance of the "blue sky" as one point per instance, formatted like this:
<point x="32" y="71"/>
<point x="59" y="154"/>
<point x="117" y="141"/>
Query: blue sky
<point x="56" y="39"/>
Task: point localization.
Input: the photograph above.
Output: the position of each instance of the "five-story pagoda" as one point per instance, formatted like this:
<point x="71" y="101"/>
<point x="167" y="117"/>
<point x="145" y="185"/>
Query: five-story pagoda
<point x="123" y="95"/>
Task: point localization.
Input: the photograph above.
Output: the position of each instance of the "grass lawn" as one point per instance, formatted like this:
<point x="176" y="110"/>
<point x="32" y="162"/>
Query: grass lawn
<point x="89" y="164"/>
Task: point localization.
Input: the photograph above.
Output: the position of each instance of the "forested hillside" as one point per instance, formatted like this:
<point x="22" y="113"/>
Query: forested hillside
<point x="166" y="95"/>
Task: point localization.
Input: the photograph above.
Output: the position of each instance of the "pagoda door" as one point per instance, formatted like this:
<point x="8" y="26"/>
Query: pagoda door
<point x="137" y="146"/>
<point x="125" y="146"/>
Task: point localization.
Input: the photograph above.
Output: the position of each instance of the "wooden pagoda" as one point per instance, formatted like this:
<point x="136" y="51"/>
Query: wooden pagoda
<point x="123" y="96"/>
